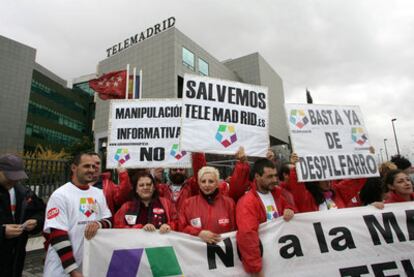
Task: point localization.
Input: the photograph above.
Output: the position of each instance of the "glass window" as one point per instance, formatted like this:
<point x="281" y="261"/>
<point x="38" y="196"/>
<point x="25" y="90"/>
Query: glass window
<point x="29" y="130"/>
<point x="188" y="58"/>
<point x="202" y="67"/>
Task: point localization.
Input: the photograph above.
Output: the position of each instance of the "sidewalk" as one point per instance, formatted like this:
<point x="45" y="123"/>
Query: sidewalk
<point x="33" y="265"/>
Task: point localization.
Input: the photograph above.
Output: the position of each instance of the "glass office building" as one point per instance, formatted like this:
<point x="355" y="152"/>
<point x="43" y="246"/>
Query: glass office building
<point x="57" y="116"/>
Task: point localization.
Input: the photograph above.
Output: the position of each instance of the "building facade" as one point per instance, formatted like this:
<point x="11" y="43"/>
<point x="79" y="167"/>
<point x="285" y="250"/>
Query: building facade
<point x="167" y="56"/>
<point x="36" y="106"/>
<point x="16" y="68"/>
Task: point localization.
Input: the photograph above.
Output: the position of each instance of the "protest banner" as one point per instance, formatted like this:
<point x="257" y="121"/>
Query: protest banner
<point x="145" y="133"/>
<point x="331" y="142"/>
<point x="219" y="116"/>
<point x="365" y="242"/>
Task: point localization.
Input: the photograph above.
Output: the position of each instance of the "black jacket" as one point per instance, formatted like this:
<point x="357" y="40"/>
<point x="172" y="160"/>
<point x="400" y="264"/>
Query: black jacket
<point x="13" y="251"/>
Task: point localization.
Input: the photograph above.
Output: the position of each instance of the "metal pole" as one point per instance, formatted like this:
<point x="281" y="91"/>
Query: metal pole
<point x="382" y="158"/>
<point x="395" y="135"/>
<point x="386" y="151"/>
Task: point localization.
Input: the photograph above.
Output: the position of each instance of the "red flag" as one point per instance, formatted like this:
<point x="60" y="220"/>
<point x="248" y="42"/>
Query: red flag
<point x="110" y="86"/>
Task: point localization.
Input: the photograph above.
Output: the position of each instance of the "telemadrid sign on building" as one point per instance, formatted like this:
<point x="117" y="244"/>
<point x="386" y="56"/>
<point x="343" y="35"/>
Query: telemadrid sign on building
<point x="151" y="31"/>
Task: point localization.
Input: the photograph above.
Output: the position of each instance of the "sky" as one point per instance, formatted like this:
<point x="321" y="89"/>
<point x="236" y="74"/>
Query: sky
<point x="346" y="52"/>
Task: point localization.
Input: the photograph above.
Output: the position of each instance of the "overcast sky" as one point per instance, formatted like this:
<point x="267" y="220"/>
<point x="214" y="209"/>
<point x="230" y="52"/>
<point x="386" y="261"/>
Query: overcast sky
<point x="353" y="52"/>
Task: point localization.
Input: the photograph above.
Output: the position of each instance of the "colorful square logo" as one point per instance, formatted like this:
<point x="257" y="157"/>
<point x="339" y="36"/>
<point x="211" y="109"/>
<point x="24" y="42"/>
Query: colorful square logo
<point x="298" y="118"/>
<point x="122" y="155"/>
<point x="176" y="153"/>
<point x="359" y="136"/>
<point x="226" y="135"/>
<point x="88" y="206"/>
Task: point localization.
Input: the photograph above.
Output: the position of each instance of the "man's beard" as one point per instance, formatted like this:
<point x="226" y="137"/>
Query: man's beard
<point x="177" y="178"/>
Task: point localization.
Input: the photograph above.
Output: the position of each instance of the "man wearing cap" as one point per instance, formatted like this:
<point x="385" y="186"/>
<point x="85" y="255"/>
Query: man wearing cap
<point x="21" y="214"/>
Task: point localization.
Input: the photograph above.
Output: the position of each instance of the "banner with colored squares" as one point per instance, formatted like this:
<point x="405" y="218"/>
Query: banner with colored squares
<point x="219" y="116"/>
<point x="331" y="142"/>
<point x="365" y="242"/>
<point x="145" y="133"/>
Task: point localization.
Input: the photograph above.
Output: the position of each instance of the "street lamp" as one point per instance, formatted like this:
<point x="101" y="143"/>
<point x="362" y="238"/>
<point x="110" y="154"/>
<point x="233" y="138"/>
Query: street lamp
<point x="386" y="151"/>
<point x="395" y="135"/>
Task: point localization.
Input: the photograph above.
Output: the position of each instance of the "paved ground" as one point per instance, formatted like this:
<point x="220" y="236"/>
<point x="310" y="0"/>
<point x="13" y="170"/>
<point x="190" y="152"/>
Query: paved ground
<point x="33" y="266"/>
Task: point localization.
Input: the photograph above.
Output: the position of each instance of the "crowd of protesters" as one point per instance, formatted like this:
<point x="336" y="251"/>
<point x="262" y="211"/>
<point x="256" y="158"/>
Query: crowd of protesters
<point x="201" y="205"/>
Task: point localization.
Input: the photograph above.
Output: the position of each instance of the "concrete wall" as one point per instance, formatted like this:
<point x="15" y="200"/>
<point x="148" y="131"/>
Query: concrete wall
<point x="254" y="69"/>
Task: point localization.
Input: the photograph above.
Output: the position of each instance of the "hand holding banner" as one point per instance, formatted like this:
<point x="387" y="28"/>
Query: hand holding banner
<point x="365" y="242"/>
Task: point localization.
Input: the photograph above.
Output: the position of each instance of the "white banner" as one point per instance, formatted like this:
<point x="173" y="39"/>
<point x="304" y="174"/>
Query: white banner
<point x="346" y="242"/>
<point x="331" y="142"/>
<point x="145" y="133"/>
<point x="219" y="116"/>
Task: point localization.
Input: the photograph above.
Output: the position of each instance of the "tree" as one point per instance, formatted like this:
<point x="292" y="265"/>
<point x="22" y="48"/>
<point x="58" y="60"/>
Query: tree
<point x="84" y="145"/>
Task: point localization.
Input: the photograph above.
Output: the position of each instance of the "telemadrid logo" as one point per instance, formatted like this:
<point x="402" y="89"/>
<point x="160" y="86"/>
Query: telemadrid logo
<point x="162" y="261"/>
<point x="298" y="118"/>
<point x="358" y="135"/>
<point x="226" y="135"/>
<point x="122" y="155"/>
<point x="176" y="153"/>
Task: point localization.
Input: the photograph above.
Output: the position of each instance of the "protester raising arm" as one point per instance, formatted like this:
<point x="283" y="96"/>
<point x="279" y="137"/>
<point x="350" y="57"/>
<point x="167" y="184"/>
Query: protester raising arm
<point x="239" y="181"/>
<point x="312" y="196"/>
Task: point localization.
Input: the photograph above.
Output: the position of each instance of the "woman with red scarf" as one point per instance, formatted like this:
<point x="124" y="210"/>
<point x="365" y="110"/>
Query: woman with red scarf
<point x="146" y="210"/>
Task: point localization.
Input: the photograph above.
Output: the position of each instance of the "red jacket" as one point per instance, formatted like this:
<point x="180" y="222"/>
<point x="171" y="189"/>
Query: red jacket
<point x="343" y="190"/>
<point x="349" y="190"/>
<point x="250" y="213"/>
<point x="185" y="192"/>
<point x="239" y="182"/>
<point x="392" y="197"/>
<point x="190" y="186"/>
<point x="198" y="215"/>
<point x="116" y="195"/>
<point x="121" y="222"/>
